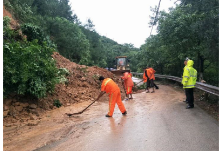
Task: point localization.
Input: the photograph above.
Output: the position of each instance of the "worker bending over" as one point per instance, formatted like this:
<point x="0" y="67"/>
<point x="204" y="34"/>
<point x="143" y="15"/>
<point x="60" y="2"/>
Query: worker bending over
<point x="128" y="84"/>
<point x="153" y="77"/>
<point x="148" y="77"/>
<point x="110" y="87"/>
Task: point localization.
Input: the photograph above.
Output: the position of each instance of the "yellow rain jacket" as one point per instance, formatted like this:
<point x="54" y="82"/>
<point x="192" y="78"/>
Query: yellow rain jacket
<point x="189" y="75"/>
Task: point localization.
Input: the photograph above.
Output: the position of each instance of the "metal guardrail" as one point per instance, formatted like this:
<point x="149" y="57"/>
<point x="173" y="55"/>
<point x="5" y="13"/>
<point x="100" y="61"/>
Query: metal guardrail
<point x="202" y="86"/>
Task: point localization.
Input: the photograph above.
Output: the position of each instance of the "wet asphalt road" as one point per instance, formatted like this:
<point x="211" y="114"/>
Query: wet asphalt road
<point x="155" y="122"/>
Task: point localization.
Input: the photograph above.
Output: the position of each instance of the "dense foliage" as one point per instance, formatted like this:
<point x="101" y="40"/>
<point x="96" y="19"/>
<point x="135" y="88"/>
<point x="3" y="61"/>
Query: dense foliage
<point x="189" y="30"/>
<point x="28" y="66"/>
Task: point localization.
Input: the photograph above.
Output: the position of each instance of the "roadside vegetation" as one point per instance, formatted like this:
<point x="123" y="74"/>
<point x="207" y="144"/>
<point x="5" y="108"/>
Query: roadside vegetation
<point x="189" y="30"/>
<point x="28" y="66"/>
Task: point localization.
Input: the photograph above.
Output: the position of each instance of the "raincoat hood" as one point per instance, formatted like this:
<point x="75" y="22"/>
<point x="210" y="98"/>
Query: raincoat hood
<point x="190" y="63"/>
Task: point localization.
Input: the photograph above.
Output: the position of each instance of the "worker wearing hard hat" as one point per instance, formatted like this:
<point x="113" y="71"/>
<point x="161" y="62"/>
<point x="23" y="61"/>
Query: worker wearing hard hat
<point x="110" y="87"/>
<point x="189" y="81"/>
<point x="128" y="84"/>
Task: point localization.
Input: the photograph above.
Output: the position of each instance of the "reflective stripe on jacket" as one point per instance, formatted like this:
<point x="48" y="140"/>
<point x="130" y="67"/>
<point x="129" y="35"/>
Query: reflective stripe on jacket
<point x="128" y="82"/>
<point x="189" y="75"/>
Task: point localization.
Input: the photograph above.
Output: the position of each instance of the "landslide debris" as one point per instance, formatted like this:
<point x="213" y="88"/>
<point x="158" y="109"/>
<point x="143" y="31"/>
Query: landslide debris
<point x="82" y="85"/>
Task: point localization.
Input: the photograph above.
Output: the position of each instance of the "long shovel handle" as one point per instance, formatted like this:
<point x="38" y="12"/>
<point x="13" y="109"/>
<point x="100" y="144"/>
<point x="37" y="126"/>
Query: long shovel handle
<point x="124" y="89"/>
<point x="70" y="114"/>
<point x="139" y="82"/>
<point x="88" y="106"/>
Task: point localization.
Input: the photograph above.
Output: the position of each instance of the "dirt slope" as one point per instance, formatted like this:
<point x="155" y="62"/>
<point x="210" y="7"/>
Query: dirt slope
<point x="83" y="82"/>
<point x="83" y="85"/>
<point x="13" y="22"/>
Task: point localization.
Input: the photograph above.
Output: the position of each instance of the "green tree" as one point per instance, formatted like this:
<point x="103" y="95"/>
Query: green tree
<point x="28" y="67"/>
<point x="53" y="8"/>
<point x="189" y="30"/>
<point x="70" y="40"/>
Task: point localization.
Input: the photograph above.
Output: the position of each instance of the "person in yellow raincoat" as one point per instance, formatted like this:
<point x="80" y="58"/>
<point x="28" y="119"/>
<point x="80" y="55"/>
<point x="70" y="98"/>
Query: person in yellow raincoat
<point x="189" y="81"/>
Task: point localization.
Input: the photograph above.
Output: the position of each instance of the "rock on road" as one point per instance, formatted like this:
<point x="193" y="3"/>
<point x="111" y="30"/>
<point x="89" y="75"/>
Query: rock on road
<point x="155" y="122"/>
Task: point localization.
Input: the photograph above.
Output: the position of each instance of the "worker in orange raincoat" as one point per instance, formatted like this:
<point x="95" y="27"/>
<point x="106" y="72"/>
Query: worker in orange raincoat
<point x="128" y="83"/>
<point x="146" y="79"/>
<point x="154" y="78"/>
<point x="149" y="77"/>
<point x="110" y="87"/>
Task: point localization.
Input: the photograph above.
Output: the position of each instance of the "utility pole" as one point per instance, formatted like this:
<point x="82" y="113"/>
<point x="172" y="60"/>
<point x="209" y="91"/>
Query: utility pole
<point x="154" y="22"/>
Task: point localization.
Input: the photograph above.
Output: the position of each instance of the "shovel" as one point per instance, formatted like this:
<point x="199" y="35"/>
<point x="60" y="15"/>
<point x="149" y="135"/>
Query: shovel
<point x="70" y="114"/>
<point x="124" y="89"/>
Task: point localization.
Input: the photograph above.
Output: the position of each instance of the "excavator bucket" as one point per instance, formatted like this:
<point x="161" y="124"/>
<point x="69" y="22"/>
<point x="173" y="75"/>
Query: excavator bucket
<point x="119" y="73"/>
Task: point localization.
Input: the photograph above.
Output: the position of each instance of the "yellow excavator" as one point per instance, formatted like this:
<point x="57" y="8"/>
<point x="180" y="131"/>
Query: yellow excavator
<point x="122" y="65"/>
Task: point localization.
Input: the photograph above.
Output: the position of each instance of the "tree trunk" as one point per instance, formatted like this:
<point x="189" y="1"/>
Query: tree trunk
<point x="200" y="76"/>
<point x="200" y="66"/>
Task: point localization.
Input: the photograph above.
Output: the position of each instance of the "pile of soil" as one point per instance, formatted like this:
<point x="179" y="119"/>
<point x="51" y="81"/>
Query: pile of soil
<point x="83" y="85"/>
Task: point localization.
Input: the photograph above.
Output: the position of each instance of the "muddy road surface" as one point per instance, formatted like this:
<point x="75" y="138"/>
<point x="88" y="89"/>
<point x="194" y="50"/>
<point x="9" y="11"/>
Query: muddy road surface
<point x="155" y="122"/>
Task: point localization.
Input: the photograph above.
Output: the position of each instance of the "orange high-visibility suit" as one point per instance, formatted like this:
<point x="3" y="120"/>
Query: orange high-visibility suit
<point x="131" y="75"/>
<point x="110" y="87"/>
<point x="128" y="82"/>
<point x="149" y="77"/>
<point x="151" y="73"/>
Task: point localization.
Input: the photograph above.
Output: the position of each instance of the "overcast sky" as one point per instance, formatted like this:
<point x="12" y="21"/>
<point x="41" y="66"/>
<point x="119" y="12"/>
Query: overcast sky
<point x="124" y="21"/>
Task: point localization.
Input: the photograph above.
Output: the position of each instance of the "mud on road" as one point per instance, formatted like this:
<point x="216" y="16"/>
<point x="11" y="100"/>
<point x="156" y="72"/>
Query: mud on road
<point x="157" y="121"/>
